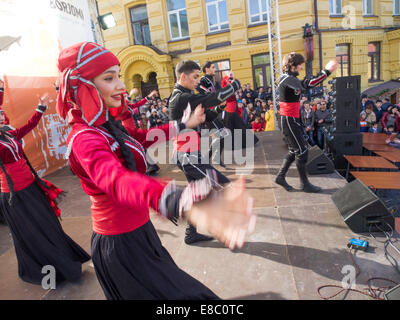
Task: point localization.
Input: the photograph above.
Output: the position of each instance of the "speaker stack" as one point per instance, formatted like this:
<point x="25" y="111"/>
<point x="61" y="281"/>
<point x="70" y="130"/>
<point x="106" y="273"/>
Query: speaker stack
<point x="347" y="138"/>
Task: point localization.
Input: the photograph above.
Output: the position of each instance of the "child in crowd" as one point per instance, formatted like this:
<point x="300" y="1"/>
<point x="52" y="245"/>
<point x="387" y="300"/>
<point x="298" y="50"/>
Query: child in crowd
<point x="375" y="128"/>
<point x="363" y="122"/>
<point x="257" y="126"/>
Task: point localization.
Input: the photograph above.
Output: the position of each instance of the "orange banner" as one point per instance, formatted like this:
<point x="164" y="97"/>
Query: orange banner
<point x="45" y="146"/>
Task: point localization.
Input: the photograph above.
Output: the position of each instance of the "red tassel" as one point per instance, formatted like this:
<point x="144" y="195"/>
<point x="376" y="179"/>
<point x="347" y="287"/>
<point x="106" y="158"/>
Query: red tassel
<point x="51" y="195"/>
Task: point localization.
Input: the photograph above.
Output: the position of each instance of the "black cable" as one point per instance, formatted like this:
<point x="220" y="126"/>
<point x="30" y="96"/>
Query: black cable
<point x="386" y="243"/>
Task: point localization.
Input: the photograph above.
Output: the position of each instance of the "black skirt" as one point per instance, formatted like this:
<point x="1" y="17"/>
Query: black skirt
<point x="235" y="124"/>
<point x="39" y="239"/>
<point x="135" y="266"/>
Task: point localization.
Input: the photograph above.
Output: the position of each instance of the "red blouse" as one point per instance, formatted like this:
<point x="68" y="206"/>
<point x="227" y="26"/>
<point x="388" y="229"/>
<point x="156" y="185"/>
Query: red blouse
<point x="11" y="155"/>
<point x="121" y="198"/>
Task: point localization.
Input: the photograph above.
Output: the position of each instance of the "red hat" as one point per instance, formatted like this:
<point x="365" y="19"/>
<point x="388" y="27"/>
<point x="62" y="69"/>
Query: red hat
<point x="78" y="65"/>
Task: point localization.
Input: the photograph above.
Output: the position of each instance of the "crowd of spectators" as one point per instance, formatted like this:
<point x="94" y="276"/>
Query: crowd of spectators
<point x="379" y="116"/>
<point x="255" y="108"/>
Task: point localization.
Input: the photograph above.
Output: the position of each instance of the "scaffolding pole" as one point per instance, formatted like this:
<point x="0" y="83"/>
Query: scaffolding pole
<point x="275" y="50"/>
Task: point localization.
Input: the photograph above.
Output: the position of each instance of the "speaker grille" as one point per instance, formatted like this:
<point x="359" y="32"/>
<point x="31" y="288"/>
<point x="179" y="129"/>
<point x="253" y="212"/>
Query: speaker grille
<point x="353" y="197"/>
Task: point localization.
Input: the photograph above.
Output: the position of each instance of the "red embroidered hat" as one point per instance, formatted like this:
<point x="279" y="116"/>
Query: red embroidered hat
<point x="78" y="65"/>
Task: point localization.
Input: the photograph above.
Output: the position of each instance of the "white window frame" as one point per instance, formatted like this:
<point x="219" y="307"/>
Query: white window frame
<point x="333" y="4"/>
<point x="365" y="8"/>
<point x="261" y="13"/>
<point x="177" y="13"/>
<point x="398" y="8"/>
<point x="216" y="2"/>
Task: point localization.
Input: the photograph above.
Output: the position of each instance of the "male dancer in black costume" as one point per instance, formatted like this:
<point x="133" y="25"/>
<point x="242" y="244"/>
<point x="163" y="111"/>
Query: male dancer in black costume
<point x="290" y="89"/>
<point x="181" y="103"/>
<point x="209" y="85"/>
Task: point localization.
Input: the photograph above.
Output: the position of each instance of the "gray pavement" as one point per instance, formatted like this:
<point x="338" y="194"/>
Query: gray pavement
<point x="299" y="243"/>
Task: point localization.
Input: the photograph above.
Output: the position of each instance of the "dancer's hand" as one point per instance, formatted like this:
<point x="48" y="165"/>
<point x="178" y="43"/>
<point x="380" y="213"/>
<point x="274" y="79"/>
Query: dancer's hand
<point x="226" y="215"/>
<point x="134" y="92"/>
<point x="45" y="100"/>
<point x="152" y="94"/>
<point x="196" y="118"/>
<point x="332" y="65"/>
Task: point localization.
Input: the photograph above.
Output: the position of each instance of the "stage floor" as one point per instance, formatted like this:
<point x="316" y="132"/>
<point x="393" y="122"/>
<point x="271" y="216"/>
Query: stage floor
<point x="300" y="241"/>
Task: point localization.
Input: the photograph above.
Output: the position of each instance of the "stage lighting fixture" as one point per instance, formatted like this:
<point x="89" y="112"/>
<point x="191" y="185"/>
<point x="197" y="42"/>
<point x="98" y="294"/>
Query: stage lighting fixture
<point x="107" y="21"/>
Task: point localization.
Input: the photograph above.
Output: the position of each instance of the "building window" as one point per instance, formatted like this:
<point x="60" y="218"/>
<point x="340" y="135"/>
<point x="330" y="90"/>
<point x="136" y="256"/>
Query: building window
<point x="396" y="7"/>
<point x="140" y="25"/>
<point x="223" y="68"/>
<point x="177" y="17"/>
<point x="335" y="7"/>
<point x="343" y="59"/>
<point x="374" y="61"/>
<point x="217" y="13"/>
<point x="258" y="11"/>
<point x="367" y="8"/>
<point x="261" y="70"/>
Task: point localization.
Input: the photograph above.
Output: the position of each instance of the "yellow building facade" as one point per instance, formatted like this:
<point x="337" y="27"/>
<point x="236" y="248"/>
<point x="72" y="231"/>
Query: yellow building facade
<point x="152" y="36"/>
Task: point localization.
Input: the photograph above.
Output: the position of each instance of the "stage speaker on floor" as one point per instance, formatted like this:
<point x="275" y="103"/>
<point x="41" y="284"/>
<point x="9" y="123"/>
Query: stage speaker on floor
<point x="361" y="209"/>
<point x="318" y="162"/>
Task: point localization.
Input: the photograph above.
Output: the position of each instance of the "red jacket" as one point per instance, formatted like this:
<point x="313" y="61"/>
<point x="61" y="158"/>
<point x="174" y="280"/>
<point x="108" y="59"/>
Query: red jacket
<point x="231" y="102"/>
<point x="121" y="198"/>
<point x="257" y="127"/>
<point x="384" y="121"/>
<point x="136" y="105"/>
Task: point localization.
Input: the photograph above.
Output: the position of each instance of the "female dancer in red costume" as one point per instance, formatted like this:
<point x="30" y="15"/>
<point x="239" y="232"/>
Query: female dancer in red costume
<point x="29" y="208"/>
<point x="109" y="159"/>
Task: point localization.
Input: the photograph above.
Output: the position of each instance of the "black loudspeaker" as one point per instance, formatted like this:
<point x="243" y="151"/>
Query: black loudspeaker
<point x="318" y="162"/>
<point x="347" y="144"/>
<point x="362" y="210"/>
<point x="348" y="104"/>
<point x="393" y="294"/>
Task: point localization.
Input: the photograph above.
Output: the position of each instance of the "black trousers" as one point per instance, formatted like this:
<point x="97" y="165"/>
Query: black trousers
<point x="195" y="167"/>
<point x="294" y="136"/>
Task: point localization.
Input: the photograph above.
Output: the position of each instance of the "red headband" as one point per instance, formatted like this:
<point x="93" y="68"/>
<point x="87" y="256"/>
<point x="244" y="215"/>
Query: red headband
<point x="78" y="65"/>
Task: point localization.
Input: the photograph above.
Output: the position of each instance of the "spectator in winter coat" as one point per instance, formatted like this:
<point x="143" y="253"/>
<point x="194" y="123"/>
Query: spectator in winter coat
<point x="307" y="116"/>
<point x="378" y="110"/>
<point x="391" y="118"/>
<point x="365" y="102"/>
<point x="370" y="116"/>
<point x="322" y="119"/>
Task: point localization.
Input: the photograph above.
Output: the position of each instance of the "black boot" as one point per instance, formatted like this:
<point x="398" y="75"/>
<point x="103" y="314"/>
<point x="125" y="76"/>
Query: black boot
<point x="280" y="178"/>
<point x="306" y="185"/>
<point x="191" y="235"/>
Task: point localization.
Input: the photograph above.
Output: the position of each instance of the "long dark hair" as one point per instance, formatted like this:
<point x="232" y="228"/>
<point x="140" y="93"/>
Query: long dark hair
<point x="290" y="60"/>
<point x="118" y="131"/>
<point x="9" y="180"/>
